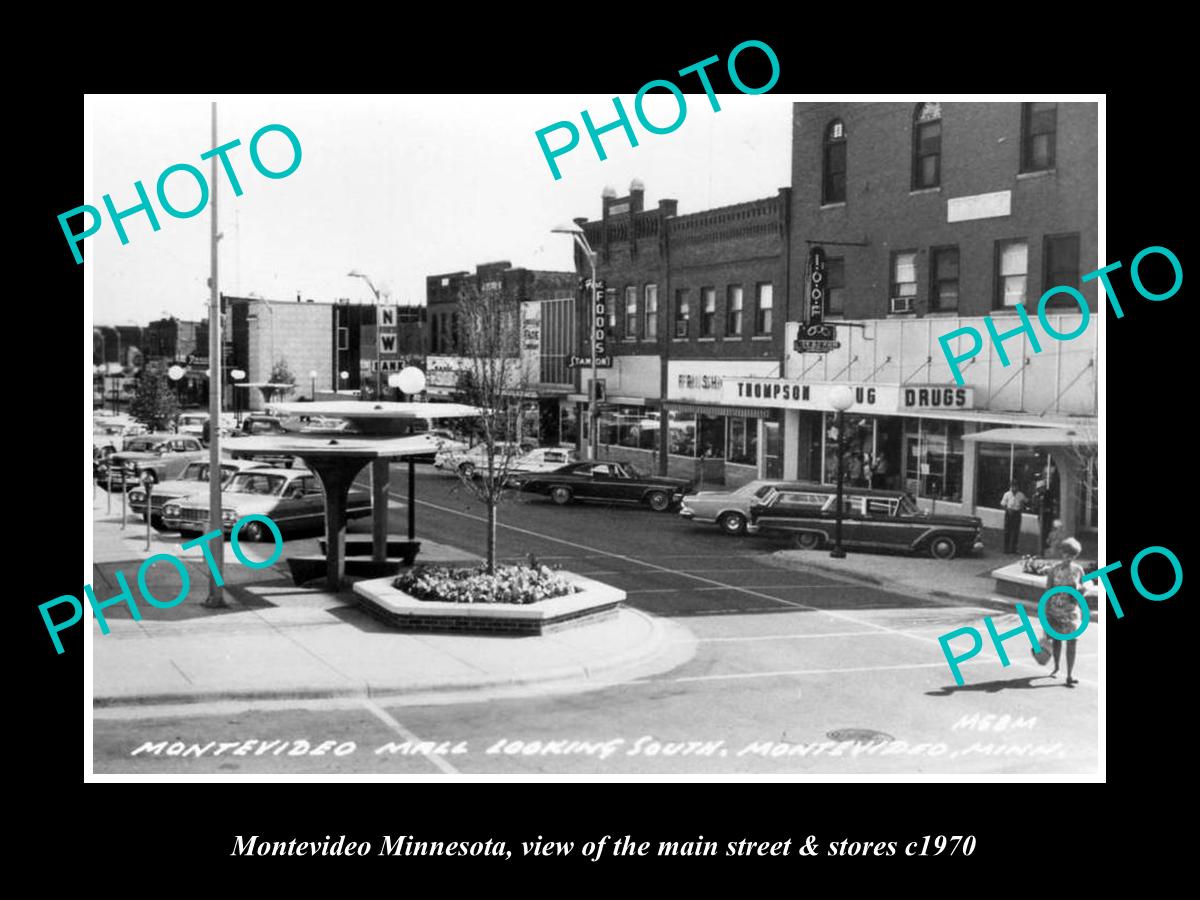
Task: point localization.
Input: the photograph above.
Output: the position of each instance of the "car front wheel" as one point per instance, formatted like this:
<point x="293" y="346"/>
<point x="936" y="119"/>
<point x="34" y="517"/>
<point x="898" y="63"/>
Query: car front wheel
<point x="943" y="548"/>
<point x="658" y="500"/>
<point x="732" y="523"/>
<point x="808" y="540"/>
<point x="466" y="470"/>
<point x="255" y="532"/>
<point x="561" y="495"/>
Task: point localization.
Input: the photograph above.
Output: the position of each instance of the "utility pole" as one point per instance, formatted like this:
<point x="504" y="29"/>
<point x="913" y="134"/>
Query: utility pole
<point x="216" y="595"/>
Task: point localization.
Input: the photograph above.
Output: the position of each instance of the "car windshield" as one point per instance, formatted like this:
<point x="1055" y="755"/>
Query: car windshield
<point x="144" y="446"/>
<point x="257" y="483"/>
<point x="195" y="472"/>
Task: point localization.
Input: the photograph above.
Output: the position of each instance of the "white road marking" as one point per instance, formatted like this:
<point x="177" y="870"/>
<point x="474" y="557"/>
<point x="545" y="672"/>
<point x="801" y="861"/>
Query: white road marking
<point x="384" y="716"/>
<point x="743" y="590"/>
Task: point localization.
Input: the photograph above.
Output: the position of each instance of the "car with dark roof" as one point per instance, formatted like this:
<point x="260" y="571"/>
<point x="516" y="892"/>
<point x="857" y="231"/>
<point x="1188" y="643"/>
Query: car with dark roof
<point x="608" y="481"/>
<point x="153" y="457"/>
<point x="871" y="519"/>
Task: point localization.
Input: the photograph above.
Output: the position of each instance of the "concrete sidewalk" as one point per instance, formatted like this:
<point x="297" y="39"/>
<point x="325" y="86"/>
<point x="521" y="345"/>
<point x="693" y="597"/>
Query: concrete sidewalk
<point x="278" y="641"/>
<point x="956" y="581"/>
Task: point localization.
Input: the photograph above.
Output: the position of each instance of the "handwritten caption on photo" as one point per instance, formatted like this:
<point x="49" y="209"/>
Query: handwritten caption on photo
<point x="221" y="152"/>
<point x="126" y="596"/>
<point x="622" y="120"/>
<point x="1026" y="627"/>
<point x="613" y="847"/>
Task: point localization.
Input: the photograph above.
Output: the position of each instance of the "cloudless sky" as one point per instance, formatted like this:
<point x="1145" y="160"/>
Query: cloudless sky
<point x="396" y="186"/>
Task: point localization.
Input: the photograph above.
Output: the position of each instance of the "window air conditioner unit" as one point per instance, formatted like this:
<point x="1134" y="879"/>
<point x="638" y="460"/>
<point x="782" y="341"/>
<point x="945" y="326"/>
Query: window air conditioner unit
<point x="681" y="329"/>
<point x="902" y="304"/>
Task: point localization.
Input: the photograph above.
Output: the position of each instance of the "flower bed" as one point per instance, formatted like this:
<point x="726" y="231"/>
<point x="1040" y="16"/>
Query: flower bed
<point x="1033" y="565"/>
<point x="510" y="584"/>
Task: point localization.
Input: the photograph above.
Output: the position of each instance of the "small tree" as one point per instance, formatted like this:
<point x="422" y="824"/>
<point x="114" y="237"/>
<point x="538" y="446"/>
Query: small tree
<point x="280" y="374"/>
<point x="489" y="339"/>
<point x="154" y="402"/>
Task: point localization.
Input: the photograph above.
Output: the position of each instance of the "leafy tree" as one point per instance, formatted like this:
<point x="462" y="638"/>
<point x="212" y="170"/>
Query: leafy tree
<point x="494" y="380"/>
<point x="280" y="374"/>
<point x="154" y="402"/>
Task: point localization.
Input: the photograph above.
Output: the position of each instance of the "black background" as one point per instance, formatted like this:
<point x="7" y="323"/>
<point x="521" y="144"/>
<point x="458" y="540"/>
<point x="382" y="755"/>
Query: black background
<point x="1021" y="828"/>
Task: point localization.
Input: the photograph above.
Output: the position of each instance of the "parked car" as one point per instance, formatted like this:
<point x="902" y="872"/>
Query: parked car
<point x="291" y="498"/>
<point x="192" y="481"/>
<point x="258" y="424"/>
<point x="614" y="482"/>
<point x="455" y="456"/>
<point x="538" y="461"/>
<point x="730" y="510"/>
<point x="192" y="423"/>
<point x="870" y="518"/>
<point x="161" y="457"/>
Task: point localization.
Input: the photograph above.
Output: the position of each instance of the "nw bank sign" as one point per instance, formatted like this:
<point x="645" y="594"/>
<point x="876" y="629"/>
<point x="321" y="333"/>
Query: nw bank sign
<point x="782" y="393"/>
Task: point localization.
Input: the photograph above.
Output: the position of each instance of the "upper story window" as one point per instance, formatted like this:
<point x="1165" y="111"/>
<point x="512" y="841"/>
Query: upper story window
<point x="1012" y="262"/>
<point x="835" y="286"/>
<point x="1039" y="129"/>
<point x="943" y="279"/>
<point x="927" y="146"/>
<point x="904" y="281"/>
<point x="763" y="308"/>
<point x="1060" y="266"/>
<point x="708" y="312"/>
<point x="733" y="311"/>
<point x="631" y="313"/>
<point x="682" y="314"/>
<point x="833" y="168"/>
<point x="650" y="331"/>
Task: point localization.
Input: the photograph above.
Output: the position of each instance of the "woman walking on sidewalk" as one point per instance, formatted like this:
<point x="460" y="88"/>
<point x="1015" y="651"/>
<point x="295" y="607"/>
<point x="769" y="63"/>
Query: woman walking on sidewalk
<point x="1062" y="610"/>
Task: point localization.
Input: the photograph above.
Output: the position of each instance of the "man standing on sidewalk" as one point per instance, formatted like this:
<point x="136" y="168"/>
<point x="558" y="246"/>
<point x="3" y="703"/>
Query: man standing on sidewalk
<point x="1013" y="503"/>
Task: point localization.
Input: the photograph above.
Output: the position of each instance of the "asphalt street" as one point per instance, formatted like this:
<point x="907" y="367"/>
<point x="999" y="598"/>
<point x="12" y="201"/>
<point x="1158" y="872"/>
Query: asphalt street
<point x="793" y="672"/>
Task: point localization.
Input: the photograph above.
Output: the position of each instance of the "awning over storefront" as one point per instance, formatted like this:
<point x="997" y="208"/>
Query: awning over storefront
<point x="703" y="409"/>
<point x="1036" y="437"/>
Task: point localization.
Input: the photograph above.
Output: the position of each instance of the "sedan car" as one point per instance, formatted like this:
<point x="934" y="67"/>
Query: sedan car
<point x="291" y="498"/>
<point x="192" y="481"/>
<point x="614" y="482"/>
<point x="156" y="457"/>
<point x="730" y="510"/>
<point x="870" y="519"/>
<point x="455" y="456"/>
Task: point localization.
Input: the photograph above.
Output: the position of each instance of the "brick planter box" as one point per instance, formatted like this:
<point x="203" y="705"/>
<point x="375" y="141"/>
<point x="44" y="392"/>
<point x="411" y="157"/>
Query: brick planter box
<point x="1011" y="581"/>
<point x="595" y="602"/>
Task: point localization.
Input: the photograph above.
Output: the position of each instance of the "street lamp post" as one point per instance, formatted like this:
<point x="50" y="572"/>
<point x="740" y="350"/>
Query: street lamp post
<point x="581" y="239"/>
<point x="841" y="398"/>
<point x="237" y="375"/>
<point x="312" y="379"/>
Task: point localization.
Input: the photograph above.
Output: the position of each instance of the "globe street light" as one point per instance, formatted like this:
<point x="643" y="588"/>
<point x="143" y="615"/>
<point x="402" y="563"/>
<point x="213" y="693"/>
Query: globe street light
<point x="841" y="398"/>
<point x="581" y="239"/>
<point x="237" y="375"/>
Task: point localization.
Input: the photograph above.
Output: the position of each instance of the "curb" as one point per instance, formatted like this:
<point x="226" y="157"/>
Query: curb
<point x="580" y="674"/>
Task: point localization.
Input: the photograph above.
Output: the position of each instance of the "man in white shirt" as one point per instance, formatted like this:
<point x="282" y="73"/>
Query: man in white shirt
<point x="1013" y="503"/>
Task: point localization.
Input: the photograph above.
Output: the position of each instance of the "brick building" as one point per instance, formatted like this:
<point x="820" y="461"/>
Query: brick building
<point x="692" y="300"/>
<point x="544" y="303"/>
<point x="932" y="216"/>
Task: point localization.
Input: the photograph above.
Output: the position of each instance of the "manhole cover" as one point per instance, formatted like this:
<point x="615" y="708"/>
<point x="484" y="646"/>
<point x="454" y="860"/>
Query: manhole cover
<point x="859" y="736"/>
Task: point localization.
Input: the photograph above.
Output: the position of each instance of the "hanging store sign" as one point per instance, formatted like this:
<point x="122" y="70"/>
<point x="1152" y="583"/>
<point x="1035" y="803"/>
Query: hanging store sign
<point x="782" y="393"/>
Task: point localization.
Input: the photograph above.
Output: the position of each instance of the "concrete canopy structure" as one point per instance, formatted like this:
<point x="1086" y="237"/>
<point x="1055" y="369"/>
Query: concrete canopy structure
<point x="385" y="434"/>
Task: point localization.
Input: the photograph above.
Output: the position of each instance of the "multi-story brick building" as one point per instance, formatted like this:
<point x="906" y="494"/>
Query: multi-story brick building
<point x="543" y="302"/>
<point x="692" y="300"/>
<point x="932" y="216"/>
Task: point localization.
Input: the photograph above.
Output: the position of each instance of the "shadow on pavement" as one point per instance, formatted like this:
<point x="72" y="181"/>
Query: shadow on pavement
<point x="164" y="583"/>
<point x="994" y="687"/>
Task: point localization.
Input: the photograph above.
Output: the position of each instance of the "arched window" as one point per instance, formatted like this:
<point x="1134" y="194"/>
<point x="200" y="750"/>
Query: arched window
<point x="833" y="181"/>
<point x="927" y="146"/>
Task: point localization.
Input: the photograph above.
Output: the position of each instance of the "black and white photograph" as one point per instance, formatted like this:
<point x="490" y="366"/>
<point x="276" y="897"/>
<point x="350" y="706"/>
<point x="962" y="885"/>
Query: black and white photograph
<point x="711" y="431"/>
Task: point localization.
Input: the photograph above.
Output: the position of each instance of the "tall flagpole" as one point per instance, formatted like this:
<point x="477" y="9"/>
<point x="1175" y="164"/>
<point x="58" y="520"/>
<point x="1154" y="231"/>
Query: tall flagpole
<point x="216" y="359"/>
